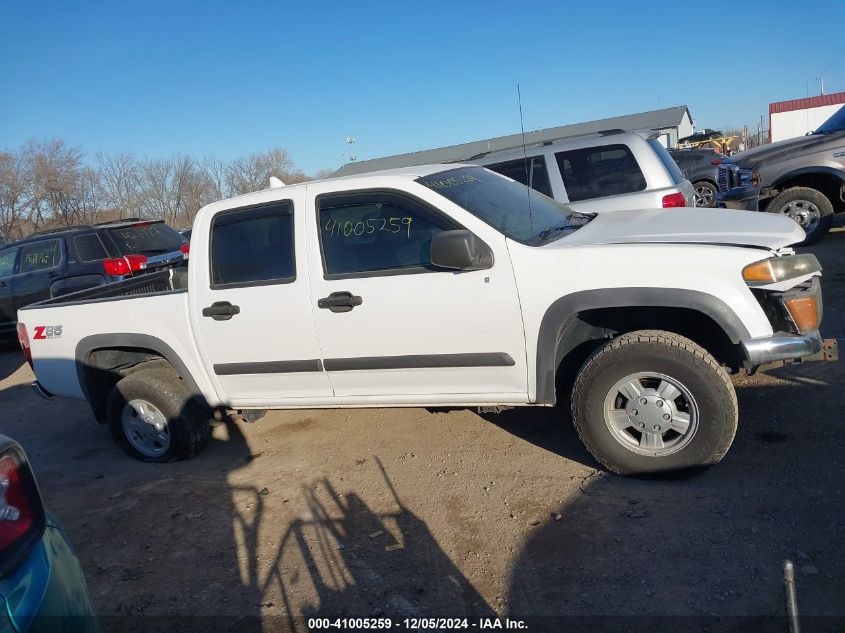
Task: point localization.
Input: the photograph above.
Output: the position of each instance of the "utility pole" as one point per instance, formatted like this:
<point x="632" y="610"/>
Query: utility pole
<point x="821" y="85"/>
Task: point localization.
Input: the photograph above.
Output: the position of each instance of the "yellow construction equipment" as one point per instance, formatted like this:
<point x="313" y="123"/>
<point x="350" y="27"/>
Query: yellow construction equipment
<point x="721" y="144"/>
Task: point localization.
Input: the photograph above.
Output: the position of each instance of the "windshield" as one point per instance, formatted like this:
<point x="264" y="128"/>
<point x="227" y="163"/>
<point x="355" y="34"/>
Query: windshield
<point x="836" y="123"/>
<point x="146" y="239"/>
<point x="504" y="204"/>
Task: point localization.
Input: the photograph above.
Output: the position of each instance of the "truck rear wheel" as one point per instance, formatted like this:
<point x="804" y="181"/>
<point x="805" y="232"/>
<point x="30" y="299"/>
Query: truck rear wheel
<point x="809" y="208"/>
<point x="653" y="402"/>
<point x="153" y="417"/>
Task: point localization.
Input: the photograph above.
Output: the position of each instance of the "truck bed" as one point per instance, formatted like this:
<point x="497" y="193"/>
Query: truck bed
<point x="165" y="281"/>
<point x="127" y="314"/>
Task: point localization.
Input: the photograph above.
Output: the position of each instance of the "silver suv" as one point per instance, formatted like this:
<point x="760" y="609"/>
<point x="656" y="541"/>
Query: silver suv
<point x="608" y="171"/>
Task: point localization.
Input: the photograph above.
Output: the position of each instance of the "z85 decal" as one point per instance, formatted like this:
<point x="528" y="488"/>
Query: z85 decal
<point x="47" y="331"/>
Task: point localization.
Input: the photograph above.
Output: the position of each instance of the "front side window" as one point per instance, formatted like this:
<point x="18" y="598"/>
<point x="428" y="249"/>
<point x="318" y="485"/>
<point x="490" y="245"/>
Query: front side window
<point x="39" y="256"/>
<point x="596" y="172"/>
<point x="531" y="172"/>
<point x="253" y="246"/>
<point x="7" y="261"/>
<point x="372" y="232"/>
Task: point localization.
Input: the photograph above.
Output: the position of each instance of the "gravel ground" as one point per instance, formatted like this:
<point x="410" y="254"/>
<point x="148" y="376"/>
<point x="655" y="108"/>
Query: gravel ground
<point x="406" y="513"/>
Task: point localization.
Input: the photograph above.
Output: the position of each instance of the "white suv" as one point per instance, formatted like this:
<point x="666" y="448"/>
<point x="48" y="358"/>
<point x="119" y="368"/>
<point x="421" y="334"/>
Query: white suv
<point x="608" y="171"/>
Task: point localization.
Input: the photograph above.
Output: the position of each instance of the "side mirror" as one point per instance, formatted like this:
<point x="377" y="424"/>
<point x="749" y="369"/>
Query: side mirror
<point x="460" y="250"/>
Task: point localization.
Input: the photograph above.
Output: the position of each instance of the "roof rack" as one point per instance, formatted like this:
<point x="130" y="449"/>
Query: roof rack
<point x="60" y="229"/>
<point x="608" y="132"/>
<point x="119" y="221"/>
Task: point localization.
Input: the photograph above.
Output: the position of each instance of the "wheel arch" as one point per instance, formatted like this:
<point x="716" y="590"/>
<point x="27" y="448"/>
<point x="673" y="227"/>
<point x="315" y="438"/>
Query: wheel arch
<point x="103" y="359"/>
<point x="827" y="180"/>
<point x="575" y="325"/>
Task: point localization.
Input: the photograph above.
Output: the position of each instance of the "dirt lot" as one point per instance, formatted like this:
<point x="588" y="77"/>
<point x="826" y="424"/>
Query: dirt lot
<point x="413" y="513"/>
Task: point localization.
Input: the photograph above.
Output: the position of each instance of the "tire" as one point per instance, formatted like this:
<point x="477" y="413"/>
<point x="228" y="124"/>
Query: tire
<point x="651" y="358"/>
<point x="802" y="204"/>
<point x="157" y="395"/>
<point x="705" y="194"/>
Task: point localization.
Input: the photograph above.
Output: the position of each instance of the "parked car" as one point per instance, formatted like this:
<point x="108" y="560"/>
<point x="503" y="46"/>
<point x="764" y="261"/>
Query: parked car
<point x="57" y="262"/>
<point x="699" y="166"/>
<point x="802" y="178"/>
<point x="186" y="233"/>
<point x="598" y="172"/>
<point x="440" y="285"/>
<point x="42" y="587"/>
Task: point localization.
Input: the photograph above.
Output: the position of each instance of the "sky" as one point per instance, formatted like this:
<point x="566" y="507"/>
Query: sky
<point x="159" y="78"/>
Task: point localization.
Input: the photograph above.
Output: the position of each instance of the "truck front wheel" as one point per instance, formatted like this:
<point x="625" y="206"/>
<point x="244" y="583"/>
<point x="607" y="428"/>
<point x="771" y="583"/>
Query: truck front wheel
<point x="653" y="402"/>
<point x="809" y="208"/>
<point x="153" y="417"/>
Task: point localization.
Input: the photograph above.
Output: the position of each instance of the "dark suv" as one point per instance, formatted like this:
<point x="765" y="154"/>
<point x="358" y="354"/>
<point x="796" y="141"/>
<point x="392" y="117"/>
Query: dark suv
<point x="699" y="166"/>
<point x="53" y="263"/>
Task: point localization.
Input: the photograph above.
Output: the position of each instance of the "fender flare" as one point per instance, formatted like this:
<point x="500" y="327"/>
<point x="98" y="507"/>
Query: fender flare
<point x="561" y="314"/>
<point x="104" y="341"/>
<point x="808" y="171"/>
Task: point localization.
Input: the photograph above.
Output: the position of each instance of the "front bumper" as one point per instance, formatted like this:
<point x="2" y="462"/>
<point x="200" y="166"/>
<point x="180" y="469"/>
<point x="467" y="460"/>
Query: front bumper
<point x="741" y="198"/>
<point x="782" y="346"/>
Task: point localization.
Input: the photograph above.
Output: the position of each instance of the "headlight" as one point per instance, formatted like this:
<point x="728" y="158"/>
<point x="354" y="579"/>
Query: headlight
<point x="778" y="269"/>
<point x="748" y="177"/>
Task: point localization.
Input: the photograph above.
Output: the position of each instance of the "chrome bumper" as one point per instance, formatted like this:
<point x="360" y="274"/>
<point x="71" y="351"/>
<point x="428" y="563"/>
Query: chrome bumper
<point x="759" y="351"/>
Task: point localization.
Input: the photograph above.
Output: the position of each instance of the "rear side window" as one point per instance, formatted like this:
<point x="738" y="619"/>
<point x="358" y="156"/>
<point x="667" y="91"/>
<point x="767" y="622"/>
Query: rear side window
<point x="374" y="232"/>
<point x="253" y="246"/>
<point x="89" y="248"/>
<point x="532" y="173"/>
<point x="682" y="160"/>
<point x="7" y="261"/>
<point x="39" y="255"/>
<point x="670" y="165"/>
<point x="146" y="239"/>
<point x="596" y="172"/>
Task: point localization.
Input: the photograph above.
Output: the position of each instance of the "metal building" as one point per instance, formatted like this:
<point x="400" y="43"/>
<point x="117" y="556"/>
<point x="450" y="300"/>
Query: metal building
<point x="788" y="119"/>
<point x="672" y="124"/>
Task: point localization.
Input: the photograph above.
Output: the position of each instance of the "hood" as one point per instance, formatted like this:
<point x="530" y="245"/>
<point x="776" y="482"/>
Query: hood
<point x="687" y="226"/>
<point x="752" y="157"/>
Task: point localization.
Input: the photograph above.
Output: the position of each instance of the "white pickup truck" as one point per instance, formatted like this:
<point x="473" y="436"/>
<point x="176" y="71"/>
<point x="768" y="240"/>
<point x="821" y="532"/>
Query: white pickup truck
<point x="441" y="286"/>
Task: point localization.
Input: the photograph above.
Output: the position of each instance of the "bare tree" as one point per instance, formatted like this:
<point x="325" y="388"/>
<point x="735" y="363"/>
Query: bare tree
<point x="87" y="196"/>
<point x="12" y="196"/>
<point x="120" y="182"/>
<point x="174" y="189"/>
<point x="48" y="183"/>
<point x="56" y="181"/>
<point x="199" y="190"/>
<point x="214" y="171"/>
<point x="322" y="174"/>
<point x="252" y="173"/>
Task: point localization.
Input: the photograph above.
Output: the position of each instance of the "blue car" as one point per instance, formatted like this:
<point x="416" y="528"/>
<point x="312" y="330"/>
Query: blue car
<point x="41" y="583"/>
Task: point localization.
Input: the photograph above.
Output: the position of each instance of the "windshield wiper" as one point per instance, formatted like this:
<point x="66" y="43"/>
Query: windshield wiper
<point x="552" y="229"/>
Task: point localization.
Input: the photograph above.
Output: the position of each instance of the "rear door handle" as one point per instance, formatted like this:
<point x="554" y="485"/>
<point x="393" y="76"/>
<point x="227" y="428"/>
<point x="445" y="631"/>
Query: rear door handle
<point x="221" y="311"/>
<point x="339" y="302"/>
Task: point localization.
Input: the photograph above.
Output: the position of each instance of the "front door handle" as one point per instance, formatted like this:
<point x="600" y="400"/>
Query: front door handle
<point x="221" y="311"/>
<point x="339" y="302"/>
